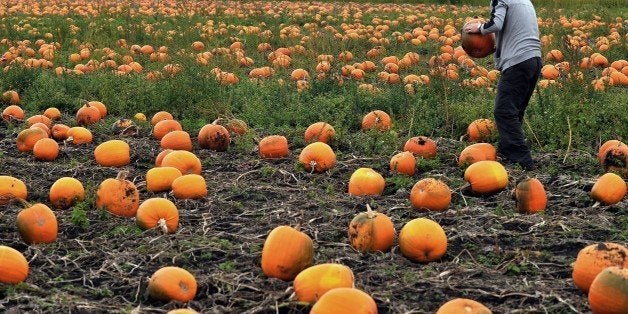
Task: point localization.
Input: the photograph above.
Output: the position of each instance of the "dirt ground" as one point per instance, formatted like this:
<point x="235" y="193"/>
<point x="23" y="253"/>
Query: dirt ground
<point x="510" y="262"/>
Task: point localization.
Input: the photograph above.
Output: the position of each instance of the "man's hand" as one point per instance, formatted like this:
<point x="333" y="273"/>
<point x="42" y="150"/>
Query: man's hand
<point x="472" y="28"/>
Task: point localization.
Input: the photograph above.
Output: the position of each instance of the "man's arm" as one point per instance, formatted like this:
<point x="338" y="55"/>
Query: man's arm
<point x="498" y="14"/>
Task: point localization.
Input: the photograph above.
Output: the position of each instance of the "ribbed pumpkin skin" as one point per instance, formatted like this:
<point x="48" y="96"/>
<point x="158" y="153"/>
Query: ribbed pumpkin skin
<point x="430" y="194"/>
<point x="152" y="210"/>
<point x="65" y="192"/>
<point x="37" y="224"/>
<point x="160" y="179"/>
<point x="477" y="152"/>
<point x="113" y="153"/>
<point x="376" y="119"/>
<point x="172" y="283"/>
<point x="317" y="157"/>
<point x="609" y="189"/>
<point x="609" y="291"/>
<point x="403" y="163"/>
<point x="189" y="186"/>
<point x="463" y="306"/>
<point x="27" y="138"/>
<point x="594" y="258"/>
<point x="486" y="177"/>
<point x="11" y="188"/>
<point x="274" y="146"/>
<point x="286" y="253"/>
<point x="371" y="231"/>
<point x="13" y="112"/>
<point x="366" y="181"/>
<point x="422" y="240"/>
<point x="421" y="146"/>
<point x="312" y="283"/>
<point x="345" y="301"/>
<point x="319" y="132"/>
<point x="13" y="266"/>
<point x="215" y="137"/>
<point x="118" y="196"/>
<point x="530" y="196"/>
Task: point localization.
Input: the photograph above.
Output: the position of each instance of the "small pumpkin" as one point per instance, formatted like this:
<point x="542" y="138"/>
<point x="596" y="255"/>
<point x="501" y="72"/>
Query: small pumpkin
<point x="530" y="196"/>
<point x="481" y="130"/>
<point x="403" y="163"/>
<point x="11" y="188"/>
<point x="79" y="135"/>
<point x="159" y="116"/>
<point x="371" y="231"/>
<point x="41" y="126"/>
<point x="102" y="109"/>
<point x="421" y="146"/>
<point x="604" y="147"/>
<point x="366" y="181"/>
<point x="274" y="146"/>
<point x="39" y="118"/>
<point x="609" y="291"/>
<point x="113" y="153"/>
<point x="13" y="112"/>
<point x="609" y="189"/>
<point x="139" y="116"/>
<point x="592" y="259"/>
<point x="430" y="194"/>
<point x="345" y="301"/>
<point x="160" y="157"/>
<point x="160" y="179"/>
<point x="189" y="186"/>
<point x="158" y="212"/>
<point x="286" y="252"/>
<point x="46" y="149"/>
<point x="59" y="132"/>
<point x="422" y="240"/>
<point x="183" y="160"/>
<point x="13" y="266"/>
<point x="119" y="196"/>
<point x="65" y="192"/>
<point x="463" y="306"/>
<point x="317" y="157"/>
<point x="172" y="283"/>
<point x="376" y="119"/>
<point x="215" y="137"/>
<point x="313" y="282"/>
<point x="37" y="224"/>
<point x="52" y="113"/>
<point x="27" y="138"/>
<point x="177" y="140"/>
<point x="164" y="127"/>
<point x="486" y="177"/>
<point x="237" y="126"/>
<point x="182" y="311"/>
<point x="616" y="159"/>
<point x="319" y="132"/>
<point x="10" y="97"/>
<point x="87" y="115"/>
<point x="477" y="152"/>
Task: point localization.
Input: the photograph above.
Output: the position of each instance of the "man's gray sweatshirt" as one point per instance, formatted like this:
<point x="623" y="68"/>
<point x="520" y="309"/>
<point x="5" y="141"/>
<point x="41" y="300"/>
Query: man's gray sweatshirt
<point x="516" y="32"/>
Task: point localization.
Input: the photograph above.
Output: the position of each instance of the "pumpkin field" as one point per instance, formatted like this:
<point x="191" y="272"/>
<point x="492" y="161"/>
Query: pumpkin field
<point x="305" y="157"/>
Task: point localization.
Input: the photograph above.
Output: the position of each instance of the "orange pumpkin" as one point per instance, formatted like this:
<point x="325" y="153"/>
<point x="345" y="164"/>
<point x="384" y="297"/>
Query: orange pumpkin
<point x="27" y="138"/>
<point x="177" y="140"/>
<point x="10" y="97"/>
<point x="160" y="157"/>
<point x="319" y="132"/>
<point x="430" y="194"/>
<point x="38" y="118"/>
<point x="37" y="224"/>
<point x="189" y="186"/>
<point x="87" y="115"/>
<point x="403" y="163"/>
<point x="286" y="252"/>
<point x="476" y="152"/>
<point x="102" y="109"/>
<point x="119" y="196"/>
<point x="11" y="188"/>
<point x="345" y="301"/>
<point x="477" y="45"/>
<point x="601" y="154"/>
<point x="172" y="283"/>
<point x="317" y="157"/>
<point x="41" y="126"/>
<point x="371" y="231"/>
<point x="593" y="259"/>
<point x="376" y="119"/>
<point x="164" y="127"/>
<point x="481" y="130"/>
<point x="160" y="179"/>
<point x="13" y="112"/>
<point x="113" y="153"/>
<point x="13" y="266"/>
<point x="182" y="311"/>
<point x="486" y="177"/>
<point x="530" y="196"/>
<point x="366" y="181"/>
<point x="46" y="149"/>
<point x="215" y="137"/>
<point x="313" y="282"/>
<point x="422" y="240"/>
<point x="52" y="113"/>
<point x="59" y="132"/>
<point x="609" y="291"/>
<point x="183" y="160"/>
<point x="274" y="146"/>
<point x="463" y="306"/>
<point x="609" y="189"/>
<point x="421" y="146"/>
<point x="615" y="158"/>
<point x="79" y="135"/>
<point x="159" y="116"/>
<point x="158" y="212"/>
<point x="65" y="192"/>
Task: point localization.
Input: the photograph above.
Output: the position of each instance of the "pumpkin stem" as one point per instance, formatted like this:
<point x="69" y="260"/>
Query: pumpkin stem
<point x="312" y="166"/>
<point x="162" y="225"/>
<point x="596" y="205"/>
<point x="369" y="212"/>
<point x="122" y="175"/>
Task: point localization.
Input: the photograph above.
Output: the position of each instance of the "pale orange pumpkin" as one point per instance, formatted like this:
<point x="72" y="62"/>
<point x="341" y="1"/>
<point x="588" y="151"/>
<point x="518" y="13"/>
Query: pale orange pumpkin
<point x="319" y="132"/>
<point x="11" y="188"/>
<point x="274" y="146"/>
<point x="172" y="283"/>
<point x="608" y="293"/>
<point x="65" y="192"/>
<point x="463" y="306"/>
<point x="430" y="194"/>
<point x="37" y="224"/>
<point x="486" y="177"/>
<point x="371" y="231"/>
<point x="160" y="179"/>
<point x="592" y="259"/>
<point x="158" y="212"/>
<point x="189" y="186"/>
<point x="313" y="282"/>
<point x="160" y="157"/>
<point x="102" y="109"/>
<point x="13" y="266"/>
<point x="119" y="196"/>
<point x="366" y="181"/>
<point x="79" y="135"/>
<point x="317" y="157"/>
<point x="183" y="160"/>
<point x="422" y="240"/>
<point x="113" y="153"/>
<point x="286" y="252"/>
<point x="159" y="116"/>
<point x="176" y="140"/>
<point x="477" y="152"/>
<point x="345" y="301"/>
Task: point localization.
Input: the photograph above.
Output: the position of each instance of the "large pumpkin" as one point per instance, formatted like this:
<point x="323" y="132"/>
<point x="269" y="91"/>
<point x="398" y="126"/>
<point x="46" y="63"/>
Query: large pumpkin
<point x="79" y="135"/>
<point x="609" y="189"/>
<point x="11" y="188"/>
<point x="158" y="212"/>
<point x="113" y="153"/>
<point x="530" y="196"/>
<point x="46" y="149"/>
<point x="65" y="192"/>
<point x="345" y="301"/>
<point x="609" y="291"/>
<point x="27" y="138"/>
<point x="13" y="112"/>
<point x="430" y="194"/>
<point x="13" y="266"/>
<point x="215" y="137"/>
<point x="594" y="258"/>
<point x="477" y="45"/>
<point x="172" y="283"/>
<point x="164" y="127"/>
<point x="317" y="157"/>
<point x="486" y="177"/>
<point x="177" y="140"/>
<point x="422" y="240"/>
<point x="87" y="115"/>
<point x="119" y="196"/>
<point x="274" y="146"/>
<point x="366" y="181"/>
<point x="286" y="253"/>
<point x="37" y="224"/>
<point x="313" y="282"/>
<point x="371" y="231"/>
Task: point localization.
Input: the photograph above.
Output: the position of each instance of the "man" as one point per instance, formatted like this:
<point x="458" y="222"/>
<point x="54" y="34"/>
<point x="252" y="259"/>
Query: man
<point x="518" y="57"/>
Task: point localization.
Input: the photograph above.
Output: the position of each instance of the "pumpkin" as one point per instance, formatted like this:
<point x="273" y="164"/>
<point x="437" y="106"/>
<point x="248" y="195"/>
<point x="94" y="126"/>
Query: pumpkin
<point x="183" y="160"/>
<point x="37" y="224"/>
<point x="477" y="45"/>
<point x="158" y="212"/>
<point x="403" y="163"/>
<point x="65" y="192"/>
<point x="119" y="196"/>
<point x="79" y="135"/>
<point x="237" y="126"/>
<point x="189" y="186"/>
<point x="530" y="196"/>
<point x="430" y="194"/>
<point x="172" y="283"/>
<point x="481" y="130"/>
<point x="317" y="157"/>
<point x="422" y="240"/>
<point x="463" y="306"/>
<point x="41" y="126"/>
<point x="113" y="153"/>
<point x="87" y="115"/>
<point x="366" y="181"/>
<point x="609" y="189"/>
<point x="274" y="146"/>
<point x="215" y="137"/>
<point x="486" y="177"/>
<point x="609" y="291"/>
<point x="319" y="132"/>
<point x="160" y="157"/>
<point x="39" y="118"/>
<point x="376" y="119"/>
<point x="313" y="282"/>
<point x="52" y="113"/>
<point x="11" y="188"/>
<point x="177" y="140"/>
<point x="182" y="311"/>
<point x="345" y="301"/>
<point x="477" y="152"/>
<point x="102" y="109"/>
<point x="164" y="127"/>
<point x="601" y="154"/>
<point x="421" y="146"/>
<point x="27" y="138"/>
<point x="616" y="159"/>
<point x="46" y="149"/>
<point x="10" y="97"/>
<point x="371" y="231"/>
<point x="139" y="116"/>
<point x="159" y="116"/>
<point x="13" y="266"/>
<point x="160" y="179"/>
<point x="13" y="112"/>
<point x="592" y="259"/>
<point x="59" y="132"/>
<point x="286" y="252"/>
